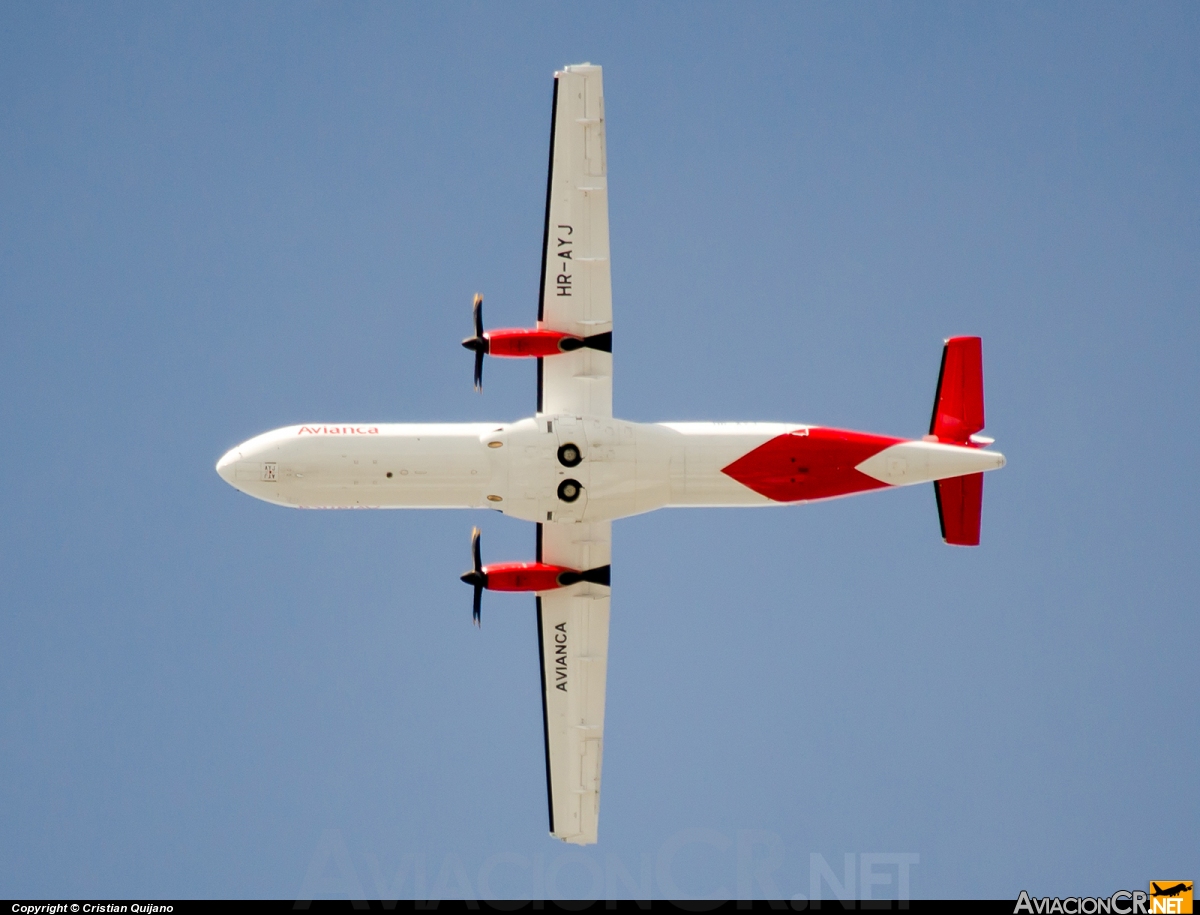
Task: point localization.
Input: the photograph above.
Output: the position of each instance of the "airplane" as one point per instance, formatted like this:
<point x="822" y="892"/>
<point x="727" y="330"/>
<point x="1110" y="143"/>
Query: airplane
<point x="573" y="468"/>
<point x="1178" y="888"/>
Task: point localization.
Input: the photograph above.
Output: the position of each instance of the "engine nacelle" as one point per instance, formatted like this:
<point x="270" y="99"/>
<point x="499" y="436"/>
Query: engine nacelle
<point x="538" y="576"/>
<point x="526" y="342"/>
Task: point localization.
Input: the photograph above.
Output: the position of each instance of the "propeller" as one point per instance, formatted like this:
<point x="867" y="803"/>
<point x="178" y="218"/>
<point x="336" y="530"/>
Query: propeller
<point x="476" y="576"/>
<point x="478" y="343"/>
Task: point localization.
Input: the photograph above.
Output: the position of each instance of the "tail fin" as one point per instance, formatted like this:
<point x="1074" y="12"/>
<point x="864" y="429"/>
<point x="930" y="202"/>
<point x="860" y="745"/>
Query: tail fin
<point x="958" y="404"/>
<point x="957" y="416"/>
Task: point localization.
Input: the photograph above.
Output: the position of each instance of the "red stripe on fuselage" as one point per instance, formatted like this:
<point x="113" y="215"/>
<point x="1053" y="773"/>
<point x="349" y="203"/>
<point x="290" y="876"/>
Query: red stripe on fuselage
<point x="813" y="463"/>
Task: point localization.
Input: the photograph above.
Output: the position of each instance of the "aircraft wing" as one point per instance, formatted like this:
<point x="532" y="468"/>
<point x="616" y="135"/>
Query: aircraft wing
<point x="576" y="292"/>
<point x="573" y="643"/>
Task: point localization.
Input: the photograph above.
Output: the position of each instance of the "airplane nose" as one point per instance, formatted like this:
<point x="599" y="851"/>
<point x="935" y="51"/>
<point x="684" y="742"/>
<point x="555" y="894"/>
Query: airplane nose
<point x="227" y="466"/>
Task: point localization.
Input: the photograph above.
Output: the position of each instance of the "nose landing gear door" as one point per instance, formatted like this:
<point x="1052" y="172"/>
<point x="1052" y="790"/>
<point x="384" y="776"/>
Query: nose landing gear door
<point x="571" y="470"/>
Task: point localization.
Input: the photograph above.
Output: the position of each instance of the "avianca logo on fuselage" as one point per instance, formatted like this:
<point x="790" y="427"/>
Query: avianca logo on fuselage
<point x="338" y="430"/>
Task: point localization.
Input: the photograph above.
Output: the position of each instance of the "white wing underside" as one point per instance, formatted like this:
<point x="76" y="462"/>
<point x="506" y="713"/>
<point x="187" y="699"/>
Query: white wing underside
<point x="576" y="298"/>
<point x="573" y="638"/>
<point x="576" y="292"/>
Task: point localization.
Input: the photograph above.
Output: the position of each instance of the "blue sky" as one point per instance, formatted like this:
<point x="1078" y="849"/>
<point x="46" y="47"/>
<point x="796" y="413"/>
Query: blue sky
<point x="219" y="219"/>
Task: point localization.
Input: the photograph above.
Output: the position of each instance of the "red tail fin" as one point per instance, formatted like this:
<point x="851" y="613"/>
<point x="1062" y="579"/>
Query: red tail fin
<point x="957" y="415"/>
<point x="958" y="404"/>
<point x="960" y="505"/>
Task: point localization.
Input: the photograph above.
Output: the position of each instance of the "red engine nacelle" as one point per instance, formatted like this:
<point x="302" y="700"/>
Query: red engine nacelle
<point x="527" y="342"/>
<point x="524" y="576"/>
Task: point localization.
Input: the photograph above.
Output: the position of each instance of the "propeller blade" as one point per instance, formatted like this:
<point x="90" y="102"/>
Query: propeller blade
<point x="479" y="342"/>
<point x="476" y="577"/>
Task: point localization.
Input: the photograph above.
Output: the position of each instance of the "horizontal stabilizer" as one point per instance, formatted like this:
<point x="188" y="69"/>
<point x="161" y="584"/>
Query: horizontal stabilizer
<point x="958" y="404"/>
<point x="960" y="506"/>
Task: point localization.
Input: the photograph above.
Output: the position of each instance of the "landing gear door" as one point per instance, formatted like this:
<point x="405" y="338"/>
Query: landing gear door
<point x="571" y="469"/>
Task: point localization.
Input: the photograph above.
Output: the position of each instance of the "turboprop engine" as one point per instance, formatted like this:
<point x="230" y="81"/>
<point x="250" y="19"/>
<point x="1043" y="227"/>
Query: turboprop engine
<point x="525" y="342"/>
<point x="522" y="576"/>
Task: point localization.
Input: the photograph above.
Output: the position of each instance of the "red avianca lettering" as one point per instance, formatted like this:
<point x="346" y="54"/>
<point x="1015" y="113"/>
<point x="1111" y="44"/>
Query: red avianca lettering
<point x="338" y="430"/>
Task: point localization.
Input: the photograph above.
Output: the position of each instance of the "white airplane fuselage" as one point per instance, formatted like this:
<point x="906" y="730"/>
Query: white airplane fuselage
<point x="625" y="468"/>
<point x="572" y="468"/>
